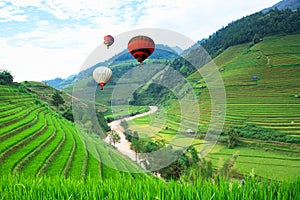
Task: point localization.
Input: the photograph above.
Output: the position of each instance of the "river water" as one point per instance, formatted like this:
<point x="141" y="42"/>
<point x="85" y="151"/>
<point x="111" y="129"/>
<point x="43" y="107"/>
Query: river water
<point x="124" y="146"/>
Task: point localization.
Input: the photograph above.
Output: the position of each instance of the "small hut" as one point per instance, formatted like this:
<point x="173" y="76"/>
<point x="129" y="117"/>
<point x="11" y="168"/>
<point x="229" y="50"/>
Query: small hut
<point x="190" y="131"/>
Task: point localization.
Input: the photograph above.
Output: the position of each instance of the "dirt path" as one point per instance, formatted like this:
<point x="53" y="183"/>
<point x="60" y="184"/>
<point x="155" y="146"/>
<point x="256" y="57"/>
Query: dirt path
<point x="268" y="60"/>
<point x="124" y="146"/>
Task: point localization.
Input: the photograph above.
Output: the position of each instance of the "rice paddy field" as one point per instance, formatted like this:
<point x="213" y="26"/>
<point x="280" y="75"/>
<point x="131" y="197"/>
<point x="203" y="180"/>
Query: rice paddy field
<point x="35" y="141"/>
<point x="146" y="188"/>
<point x="270" y="103"/>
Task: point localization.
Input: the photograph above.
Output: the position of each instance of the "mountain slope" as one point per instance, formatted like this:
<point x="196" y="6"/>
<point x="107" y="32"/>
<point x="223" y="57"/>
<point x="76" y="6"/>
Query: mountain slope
<point x="34" y="141"/>
<point x="252" y="28"/>
<point x="285" y="4"/>
<point x="269" y="102"/>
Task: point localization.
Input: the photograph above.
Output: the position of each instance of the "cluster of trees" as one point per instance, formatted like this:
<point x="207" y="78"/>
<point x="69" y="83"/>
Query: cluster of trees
<point x="6" y="78"/>
<point x="183" y="164"/>
<point x="58" y="100"/>
<point x="253" y="28"/>
<point x="139" y="145"/>
<point x="154" y="94"/>
<point x="255" y="132"/>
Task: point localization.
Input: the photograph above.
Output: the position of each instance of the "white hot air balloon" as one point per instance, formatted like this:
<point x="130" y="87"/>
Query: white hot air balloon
<point x="102" y="75"/>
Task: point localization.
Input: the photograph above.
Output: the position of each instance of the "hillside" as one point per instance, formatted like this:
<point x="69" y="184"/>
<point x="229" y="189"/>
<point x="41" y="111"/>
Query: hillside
<point x="285" y="4"/>
<point x="252" y="28"/>
<point x="269" y="102"/>
<point x="35" y="140"/>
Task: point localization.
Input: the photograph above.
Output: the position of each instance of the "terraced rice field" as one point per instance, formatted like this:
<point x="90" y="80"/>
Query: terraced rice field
<point x="269" y="103"/>
<point x="36" y="141"/>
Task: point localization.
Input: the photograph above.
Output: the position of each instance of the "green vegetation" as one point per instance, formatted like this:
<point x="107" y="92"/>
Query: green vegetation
<point x="253" y="28"/>
<point x="36" y="141"/>
<point x="57" y="99"/>
<point x="138" y="188"/>
<point x="114" y="137"/>
<point x="254" y="132"/>
<point x="5" y="77"/>
<point x="120" y="111"/>
<point x="268" y="107"/>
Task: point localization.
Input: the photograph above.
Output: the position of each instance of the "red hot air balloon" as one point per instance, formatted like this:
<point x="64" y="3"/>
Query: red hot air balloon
<point x="108" y="40"/>
<point x="141" y="47"/>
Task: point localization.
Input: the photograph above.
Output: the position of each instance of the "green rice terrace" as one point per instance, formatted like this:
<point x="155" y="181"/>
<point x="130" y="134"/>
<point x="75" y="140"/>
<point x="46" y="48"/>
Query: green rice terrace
<point x="268" y="105"/>
<point x="36" y="141"/>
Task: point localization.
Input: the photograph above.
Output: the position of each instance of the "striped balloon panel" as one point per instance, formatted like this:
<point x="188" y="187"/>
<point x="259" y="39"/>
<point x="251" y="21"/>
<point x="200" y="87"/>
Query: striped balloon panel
<point x="102" y="74"/>
<point x="141" y="47"/>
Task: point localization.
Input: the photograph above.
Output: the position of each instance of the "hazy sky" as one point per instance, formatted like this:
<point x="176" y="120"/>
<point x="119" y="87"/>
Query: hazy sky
<point x="45" y="39"/>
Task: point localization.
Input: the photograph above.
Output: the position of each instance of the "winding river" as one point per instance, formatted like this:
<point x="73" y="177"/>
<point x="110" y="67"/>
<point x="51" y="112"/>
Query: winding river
<point x="124" y="146"/>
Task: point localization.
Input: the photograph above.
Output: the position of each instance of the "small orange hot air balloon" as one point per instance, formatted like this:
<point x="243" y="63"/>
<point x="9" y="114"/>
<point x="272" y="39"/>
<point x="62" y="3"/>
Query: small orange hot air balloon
<point x="102" y="75"/>
<point x="108" y="40"/>
<point x="141" y="47"/>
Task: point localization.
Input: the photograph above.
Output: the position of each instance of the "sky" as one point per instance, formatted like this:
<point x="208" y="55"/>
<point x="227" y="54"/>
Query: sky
<point x="45" y="39"/>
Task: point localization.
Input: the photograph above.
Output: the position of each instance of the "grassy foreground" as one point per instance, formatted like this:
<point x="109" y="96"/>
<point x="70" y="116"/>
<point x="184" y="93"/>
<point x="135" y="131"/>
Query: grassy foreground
<point x="146" y="188"/>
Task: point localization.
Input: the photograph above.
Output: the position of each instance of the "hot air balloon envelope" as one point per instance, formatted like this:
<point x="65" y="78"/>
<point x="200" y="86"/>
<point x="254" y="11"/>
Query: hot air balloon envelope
<point x="102" y="75"/>
<point x="141" y="47"/>
<point x="108" y="40"/>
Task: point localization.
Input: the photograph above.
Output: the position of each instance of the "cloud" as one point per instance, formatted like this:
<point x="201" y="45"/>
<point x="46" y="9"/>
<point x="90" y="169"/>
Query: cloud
<point x="41" y="55"/>
<point x="198" y="19"/>
<point x="11" y="13"/>
<point x="45" y="39"/>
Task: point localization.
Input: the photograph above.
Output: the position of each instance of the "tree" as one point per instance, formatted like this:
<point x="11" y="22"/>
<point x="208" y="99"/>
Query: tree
<point x="114" y="137"/>
<point x="5" y="77"/>
<point x="137" y="146"/>
<point x="194" y="154"/>
<point x="68" y="114"/>
<point x="256" y="38"/>
<point x="57" y="99"/>
<point x="233" y="138"/>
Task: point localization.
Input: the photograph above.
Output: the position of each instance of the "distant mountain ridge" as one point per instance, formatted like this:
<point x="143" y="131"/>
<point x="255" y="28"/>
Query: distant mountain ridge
<point x="161" y="52"/>
<point x="59" y="83"/>
<point x="285" y="4"/>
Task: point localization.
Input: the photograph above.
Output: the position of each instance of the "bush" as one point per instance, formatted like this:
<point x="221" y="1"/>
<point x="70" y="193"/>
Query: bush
<point x="255" y="132"/>
<point x="68" y="114"/>
<point x="5" y="77"/>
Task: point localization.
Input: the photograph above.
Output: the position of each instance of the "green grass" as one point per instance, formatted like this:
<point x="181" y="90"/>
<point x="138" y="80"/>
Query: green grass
<point x="265" y="163"/>
<point x="123" y="111"/>
<point x="21" y="121"/>
<point x="39" y="161"/>
<point x="58" y="164"/>
<point x="144" y="188"/>
<point x="19" y="138"/>
<point x="34" y="153"/>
